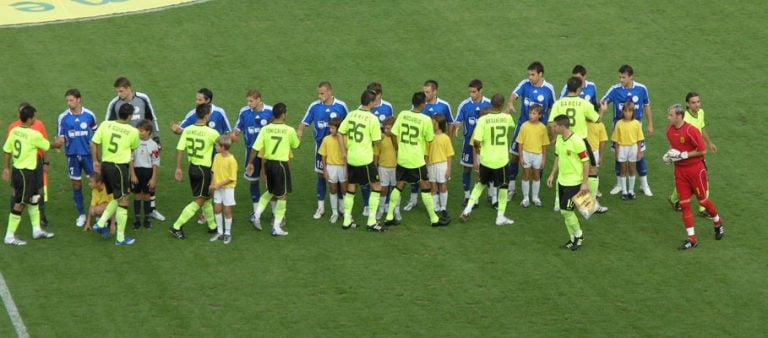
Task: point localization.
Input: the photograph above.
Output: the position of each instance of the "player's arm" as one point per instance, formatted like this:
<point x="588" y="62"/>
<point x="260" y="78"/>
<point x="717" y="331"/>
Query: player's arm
<point x="96" y="155"/>
<point x="179" y="173"/>
<point x="710" y="144"/>
<point x="544" y="155"/>
<point x="132" y="170"/>
<point x="510" y="103"/>
<point x="602" y="151"/>
<point x="7" y="168"/>
<point x="249" y="167"/>
<point x="553" y="173"/>
<point x="585" y="176"/>
<point x="448" y="172"/>
<point x="640" y="153"/>
<point x="649" y="115"/>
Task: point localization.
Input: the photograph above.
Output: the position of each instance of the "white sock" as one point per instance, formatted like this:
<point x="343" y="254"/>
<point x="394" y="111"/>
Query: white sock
<point x="536" y="186"/>
<point x="334" y="203"/>
<point x="643" y="181"/>
<point x="443" y="200"/>
<point x="494" y="194"/>
<point x="321" y="204"/>
<point x="414" y="198"/>
<point x="632" y="184"/>
<point x="511" y="186"/>
<point x="618" y="179"/>
<point x="383" y="206"/>
<point x="623" y="184"/>
<point x="255" y="207"/>
<point x="436" y="202"/>
<point x="227" y="226"/>
<point x="219" y="225"/>
<point x="526" y="186"/>
<point x="467" y="193"/>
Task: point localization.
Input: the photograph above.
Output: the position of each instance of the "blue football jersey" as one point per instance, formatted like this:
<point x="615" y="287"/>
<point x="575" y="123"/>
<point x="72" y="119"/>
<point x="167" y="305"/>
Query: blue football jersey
<point x="250" y="122"/>
<point x="383" y="111"/>
<point x="589" y="93"/>
<point x="218" y="120"/>
<point x="77" y="131"/>
<point x="318" y="115"/>
<point x="543" y="95"/>
<point x="617" y="95"/>
<point x="469" y="112"/>
<point x="439" y="107"/>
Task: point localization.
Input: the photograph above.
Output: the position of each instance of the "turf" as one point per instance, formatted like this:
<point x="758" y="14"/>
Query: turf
<point x="471" y="279"/>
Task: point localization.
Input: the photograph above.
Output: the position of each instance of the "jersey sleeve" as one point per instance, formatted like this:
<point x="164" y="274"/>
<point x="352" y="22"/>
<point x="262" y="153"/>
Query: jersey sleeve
<point x="189" y="119"/>
<point x="521" y="134"/>
<point x="41" y="143"/>
<point x="295" y="143"/>
<point x="225" y="121"/>
<point x="259" y="143"/>
<point x="479" y="130"/>
<point x="154" y="153"/>
<point x="323" y="150"/>
<point x="616" y="136"/>
<point x="449" y="149"/>
<point x="309" y="117"/>
<point x="639" y="131"/>
<point x="182" y="141"/>
<point x="97" y="135"/>
<point x="429" y="133"/>
<point x="232" y="169"/>
<point x="520" y="89"/>
<point x="149" y="114"/>
<point x="134" y="140"/>
<point x="373" y="125"/>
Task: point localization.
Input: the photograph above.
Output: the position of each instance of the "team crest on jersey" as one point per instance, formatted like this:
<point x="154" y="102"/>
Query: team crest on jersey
<point x="682" y="140"/>
<point x="587" y="97"/>
<point x="136" y="110"/>
<point x="382" y="118"/>
<point x="333" y="115"/>
<point x="568" y="152"/>
<point x="263" y="122"/>
<point x="212" y="124"/>
<point x="83" y="125"/>
<point x="634" y="99"/>
<point x="526" y="102"/>
<point x="471" y="121"/>
<point x="540" y="98"/>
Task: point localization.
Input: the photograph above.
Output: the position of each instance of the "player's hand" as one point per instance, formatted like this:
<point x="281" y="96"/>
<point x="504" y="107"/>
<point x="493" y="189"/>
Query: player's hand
<point x="713" y="147"/>
<point x="212" y="188"/>
<point x="640" y="155"/>
<point x="179" y="174"/>
<point x="134" y="179"/>
<point x="448" y="176"/>
<point x="152" y="184"/>
<point x="96" y="166"/>
<point x="325" y="174"/>
<point x="249" y="169"/>
<point x="476" y="167"/>
<point x="299" y="133"/>
<point x="650" y="130"/>
<point x="549" y="181"/>
<point x="584" y="188"/>
<point x="6" y="175"/>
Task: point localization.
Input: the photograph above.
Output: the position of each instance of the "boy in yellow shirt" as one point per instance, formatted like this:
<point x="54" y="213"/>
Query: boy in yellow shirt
<point x="533" y="139"/>
<point x="385" y="157"/>
<point x="597" y="137"/>
<point x="439" y="155"/>
<point x="99" y="201"/>
<point x="334" y="167"/>
<point x="222" y="186"/>
<point x="628" y="137"/>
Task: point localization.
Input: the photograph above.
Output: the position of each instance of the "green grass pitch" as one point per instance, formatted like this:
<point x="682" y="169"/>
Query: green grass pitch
<point x="471" y="279"/>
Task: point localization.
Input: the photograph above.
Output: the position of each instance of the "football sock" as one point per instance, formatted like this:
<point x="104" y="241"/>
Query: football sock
<point x="122" y="218"/>
<point x="147" y="208"/>
<point x="443" y="200"/>
<point x="710" y="207"/>
<point x="334" y="198"/>
<point x="476" y="192"/>
<point x="623" y="184"/>
<point x="414" y="196"/>
<point x="77" y="195"/>
<point x="255" y="191"/>
<point x="349" y="203"/>
<point x="383" y="206"/>
<point x="263" y="201"/>
<point x="465" y="183"/>
<point x="279" y="213"/>
<point x="526" y="186"/>
<point x="631" y="187"/>
<point x="136" y="209"/>
<point x="107" y="214"/>
<point x="426" y="197"/>
<point x="571" y="223"/>
<point x="373" y="205"/>
<point x="185" y="215"/>
<point x="320" y="189"/>
<point x="13" y="224"/>
<point x="33" y="210"/>
<point x="436" y="202"/>
<point x="208" y="212"/>
<point x="535" y="188"/>
<point x="366" y="190"/>
<point x="493" y="190"/>
<point x="502" y="203"/>
<point x="273" y="206"/>
<point x="394" y="200"/>
<point x="593" y="183"/>
<point x="228" y="226"/>
<point x="152" y="200"/>
<point x="219" y="223"/>
<point x="688" y="220"/>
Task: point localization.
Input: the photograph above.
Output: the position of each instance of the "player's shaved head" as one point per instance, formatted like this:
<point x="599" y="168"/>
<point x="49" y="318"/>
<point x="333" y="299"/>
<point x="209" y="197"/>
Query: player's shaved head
<point x="418" y="99"/>
<point x="279" y="110"/>
<point x="326" y="85"/>
<point x="203" y="110"/>
<point x="26" y="113"/>
<point x="125" y="111"/>
<point x="497" y="101"/>
<point x="574" y="83"/>
<point x="431" y="84"/>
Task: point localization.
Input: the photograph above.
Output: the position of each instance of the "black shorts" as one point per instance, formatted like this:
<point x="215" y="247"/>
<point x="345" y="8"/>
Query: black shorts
<point x="200" y="180"/>
<point x="566" y="193"/>
<point x="144" y="175"/>
<point x="24" y="183"/>
<point x="117" y="178"/>
<point x="362" y="175"/>
<point x="497" y="176"/>
<point x="411" y="175"/>
<point x="592" y="161"/>
<point x="39" y="174"/>
<point x="278" y="177"/>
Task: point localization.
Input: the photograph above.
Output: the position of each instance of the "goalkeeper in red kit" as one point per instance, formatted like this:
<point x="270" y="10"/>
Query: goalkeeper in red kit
<point x="687" y="153"/>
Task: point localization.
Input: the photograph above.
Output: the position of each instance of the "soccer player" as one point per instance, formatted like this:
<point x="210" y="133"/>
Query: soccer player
<point x="319" y="113"/>
<point x="491" y="141"/>
<point x="217" y="121"/>
<point x="694" y="115"/>
<point x="572" y="169"/>
<point x="111" y="148"/>
<point x="76" y="127"/>
<point x="690" y="172"/>
<point x="42" y="163"/>
<point x="579" y="111"/>
<point x="360" y="132"/>
<point x="23" y="144"/>
<point x="533" y="90"/>
<point x="382" y="110"/>
<point x="197" y="142"/>
<point x="276" y="141"/>
<point x="142" y="110"/>
<point x="618" y="94"/>
<point x="468" y="113"/>
<point x="223" y="185"/>
<point x="144" y="167"/>
<point x="254" y="116"/>
<point x="588" y="90"/>
<point x="414" y="130"/>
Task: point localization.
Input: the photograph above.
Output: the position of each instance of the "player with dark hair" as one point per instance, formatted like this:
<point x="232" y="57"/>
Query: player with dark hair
<point x="468" y="114"/>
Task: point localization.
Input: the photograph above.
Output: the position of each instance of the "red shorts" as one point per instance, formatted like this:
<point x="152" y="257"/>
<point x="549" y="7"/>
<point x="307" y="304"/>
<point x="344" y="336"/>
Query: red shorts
<point x="691" y="180"/>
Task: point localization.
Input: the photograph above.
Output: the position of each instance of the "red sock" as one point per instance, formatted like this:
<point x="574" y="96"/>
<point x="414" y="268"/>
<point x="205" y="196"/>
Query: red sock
<point x="711" y="210"/>
<point x="688" y="220"/>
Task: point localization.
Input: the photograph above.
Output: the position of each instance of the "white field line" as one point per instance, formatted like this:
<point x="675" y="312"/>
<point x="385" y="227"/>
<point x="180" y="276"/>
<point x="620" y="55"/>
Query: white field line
<point x="150" y="10"/>
<point x="10" y="307"/>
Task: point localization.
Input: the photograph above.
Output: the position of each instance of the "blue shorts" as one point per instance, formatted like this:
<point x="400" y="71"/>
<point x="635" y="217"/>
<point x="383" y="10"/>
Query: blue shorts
<point x="79" y="163"/>
<point x="467" y="156"/>
<point x="318" y="159"/>
<point x="256" y="167"/>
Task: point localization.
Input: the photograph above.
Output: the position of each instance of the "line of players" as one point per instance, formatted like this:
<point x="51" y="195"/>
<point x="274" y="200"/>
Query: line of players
<point x="534" y="91"/>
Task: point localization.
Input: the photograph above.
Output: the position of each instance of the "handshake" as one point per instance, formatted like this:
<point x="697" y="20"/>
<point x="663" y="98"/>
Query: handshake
<point x="674" y="155"/>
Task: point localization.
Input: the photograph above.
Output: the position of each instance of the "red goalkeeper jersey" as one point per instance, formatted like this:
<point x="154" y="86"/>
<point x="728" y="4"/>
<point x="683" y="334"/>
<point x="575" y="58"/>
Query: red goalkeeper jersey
<point x="686" y="138"/>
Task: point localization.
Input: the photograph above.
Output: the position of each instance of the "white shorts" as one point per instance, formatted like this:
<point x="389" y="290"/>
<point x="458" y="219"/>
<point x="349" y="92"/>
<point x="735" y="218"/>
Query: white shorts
<point x="387" y="177"/>
<point x="627" y="153"/>
<point x="596" y="154"/>
<point x="531" y="160"/>
<point x="225" y="196"/>
<point x="436" y="172"/>
<point x="336" y="173"/>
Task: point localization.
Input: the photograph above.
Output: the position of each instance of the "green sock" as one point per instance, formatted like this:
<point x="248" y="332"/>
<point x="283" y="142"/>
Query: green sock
<point x="263" y="202"/>
<point x="349" y="203"/>
<point x="108" y="212"/>
<point x="593" y="183"/>
<point x="502" y="201"/>
<point x="429" y="204"/>
<point x="280" y="211"/>
<point x="34" y="216"/>
<point x="394" y="200"/>
<point x="208" y="212"/>
<point x="572" y="223"/>
<point x="476" y="192"/>
<point x="186" y="214"/>
<point x="568" y="225"/>
<point x="13" y="224"/>
<point x="674" y="198"/>
<point x="122" y="219"/>
<point x="373" y="205"/>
